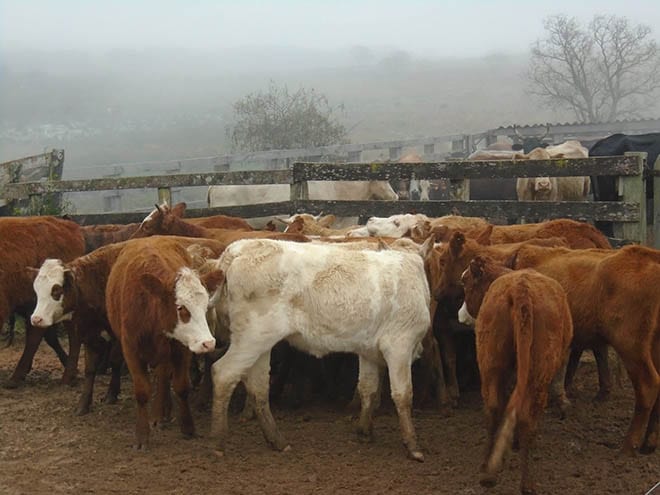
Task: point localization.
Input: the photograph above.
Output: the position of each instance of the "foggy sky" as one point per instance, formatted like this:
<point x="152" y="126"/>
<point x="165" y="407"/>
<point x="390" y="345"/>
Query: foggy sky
<point x="427" y="28"/>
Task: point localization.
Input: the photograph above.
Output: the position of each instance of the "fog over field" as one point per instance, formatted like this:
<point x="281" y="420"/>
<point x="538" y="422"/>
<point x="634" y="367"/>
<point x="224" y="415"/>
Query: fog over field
<point x="129" y="81"/>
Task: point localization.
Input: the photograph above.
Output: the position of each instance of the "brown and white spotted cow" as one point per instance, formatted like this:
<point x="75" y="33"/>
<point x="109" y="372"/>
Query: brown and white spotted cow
<point x="157" y="309"/>
<point x="24" y="243"/>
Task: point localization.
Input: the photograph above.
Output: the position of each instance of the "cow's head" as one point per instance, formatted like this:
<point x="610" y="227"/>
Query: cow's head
<point x="476" y="280"/>
<point x="382" y="190"/>
<point x="54" y="285"/>
<point x="159" y="220"/>
<point x="191" y="299"/>
<point x="394" y="226"/>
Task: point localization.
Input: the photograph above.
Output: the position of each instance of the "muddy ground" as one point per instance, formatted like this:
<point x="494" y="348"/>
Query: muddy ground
<point x="45" y="449"/>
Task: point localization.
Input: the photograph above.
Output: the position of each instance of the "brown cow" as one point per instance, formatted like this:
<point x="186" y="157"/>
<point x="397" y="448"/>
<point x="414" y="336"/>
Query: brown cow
<point x="157" y="308"/>
<point x="304" y="223"/>
<point x="27" y="242"/>
<point x="77" y="289"/>
<point x="166" y="221"/>
<point x="101" y="235"/>
<point x="522" y="320"/>
<point x="614" y="297"/>
<point x="578" y="235"/>
<point x="445" y="266"/>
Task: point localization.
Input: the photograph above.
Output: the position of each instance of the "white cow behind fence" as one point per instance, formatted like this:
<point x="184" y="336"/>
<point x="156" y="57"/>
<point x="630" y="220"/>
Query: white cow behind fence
<point x="321" y="190"/>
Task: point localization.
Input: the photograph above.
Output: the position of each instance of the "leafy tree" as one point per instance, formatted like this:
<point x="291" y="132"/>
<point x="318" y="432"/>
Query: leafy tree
<point x="279" y="119"/>
<point x="607" y="70"/>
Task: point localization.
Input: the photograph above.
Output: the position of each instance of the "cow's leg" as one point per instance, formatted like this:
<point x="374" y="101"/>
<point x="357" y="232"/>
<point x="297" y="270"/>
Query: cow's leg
<point x="558" y="389"/>
<point x="142" y="391"/>
<point x="571" y="368"/>
<point x="162" y="405"/>
<point x="651" y="437"/>
<point x="448" y="354"/>
<point x="493" y="385"/>
<point x="600" y="350"/>
<point x="93" y="352"/>
<point x="116" y="361"/>
<point x="33" y="338"/>
<point x="646" y="383"/>
<point x="257" y="384"/>
<point x="398" y="365"/>
<point x="70" y="363"/>
<point x="526" y="434"/>
<point x="227" y="372"/>
<point x="181" y="383"/>
<point x="369" y="380"/>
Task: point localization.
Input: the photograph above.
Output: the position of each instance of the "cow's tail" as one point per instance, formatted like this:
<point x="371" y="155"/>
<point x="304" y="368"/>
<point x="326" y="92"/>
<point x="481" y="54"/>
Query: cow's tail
<point x="523" y="324"/>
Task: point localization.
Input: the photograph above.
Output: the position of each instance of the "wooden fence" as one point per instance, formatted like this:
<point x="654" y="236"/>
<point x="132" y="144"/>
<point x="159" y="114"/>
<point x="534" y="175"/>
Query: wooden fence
<point x="629" y="214"/>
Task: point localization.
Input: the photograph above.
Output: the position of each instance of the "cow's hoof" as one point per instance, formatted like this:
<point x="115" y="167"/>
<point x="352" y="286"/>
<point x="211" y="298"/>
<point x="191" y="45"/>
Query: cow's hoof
<point x="141" y="447"/>
<point x="647" y="449"/>
<point x="13" y="383"/>
<point x="110" y="399"/>
<point x="81" y="410"/>
<point x="488" y="480"/>
<point x="416" y="455"/>
<point x="602" y="396"/>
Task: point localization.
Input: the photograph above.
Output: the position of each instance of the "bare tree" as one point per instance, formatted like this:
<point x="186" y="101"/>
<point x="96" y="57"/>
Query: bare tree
<point x="278" y="119"/>
<point x="608" y="70"/>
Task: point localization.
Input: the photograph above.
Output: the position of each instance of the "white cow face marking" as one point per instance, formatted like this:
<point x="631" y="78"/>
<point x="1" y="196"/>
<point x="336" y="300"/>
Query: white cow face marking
<point x="192" y="301"/>
<point x="394" y="226"/>
<point x="49" y="287"/>
<point x="464" y="316"/>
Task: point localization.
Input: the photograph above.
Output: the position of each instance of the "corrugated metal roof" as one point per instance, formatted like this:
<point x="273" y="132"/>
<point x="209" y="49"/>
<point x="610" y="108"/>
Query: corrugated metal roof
<point x="653" y="123"/>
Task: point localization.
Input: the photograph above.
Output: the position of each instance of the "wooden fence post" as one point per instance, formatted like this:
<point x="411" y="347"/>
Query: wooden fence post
<point x="298" y="190"/>
<point x="656" y="203"/>
<point x="164" y="195"/>
<point x="632" y="190"/>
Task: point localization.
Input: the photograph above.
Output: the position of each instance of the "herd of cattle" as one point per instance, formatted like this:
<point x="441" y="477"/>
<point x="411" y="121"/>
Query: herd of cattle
<point x="158" y="294"/>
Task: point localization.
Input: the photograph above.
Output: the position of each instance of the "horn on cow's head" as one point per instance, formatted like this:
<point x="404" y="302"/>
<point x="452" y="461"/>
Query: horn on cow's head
<point x="318" y="217"/>
<point x="547" y="131"/>
<point x="515" y="130"/>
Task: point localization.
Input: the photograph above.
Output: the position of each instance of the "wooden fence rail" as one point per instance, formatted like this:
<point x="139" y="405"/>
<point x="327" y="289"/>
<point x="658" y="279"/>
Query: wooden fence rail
<point x="628" y="213"/>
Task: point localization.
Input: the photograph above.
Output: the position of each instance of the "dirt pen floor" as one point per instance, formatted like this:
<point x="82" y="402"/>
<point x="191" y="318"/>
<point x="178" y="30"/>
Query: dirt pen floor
<point x="45" y="449"/>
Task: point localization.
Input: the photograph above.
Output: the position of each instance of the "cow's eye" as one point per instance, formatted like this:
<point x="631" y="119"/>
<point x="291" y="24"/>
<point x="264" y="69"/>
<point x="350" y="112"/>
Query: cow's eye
<point x="56" y="292"/>
<point x="184" y="314"/>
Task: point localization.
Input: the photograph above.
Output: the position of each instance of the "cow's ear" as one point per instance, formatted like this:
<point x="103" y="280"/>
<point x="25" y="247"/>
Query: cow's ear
<point x="477" y="267"/>
<point x="212" y="280"/>
<point x="456" y="243"/>
<point x="382" y="245"/>
<point x="155" y="286"/>
<point x="270" y="226"/>
<point x="427" y="246"/>
<point x="179" y="209"/>
<point x="326" y="221"/>
<point x="441" y="233"/>
<point x="69" y="278"/>
<point x="484" y="236"/>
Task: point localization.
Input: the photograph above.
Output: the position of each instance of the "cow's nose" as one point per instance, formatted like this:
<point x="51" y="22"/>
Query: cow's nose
<point x="209" y="345"/>
<point x="36" y="321"/>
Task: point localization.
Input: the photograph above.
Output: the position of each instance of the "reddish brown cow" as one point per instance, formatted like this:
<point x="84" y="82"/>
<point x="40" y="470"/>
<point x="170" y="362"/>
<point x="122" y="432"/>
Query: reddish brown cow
<point x="157" y="308"/>
<point x="100" y="235"/>
<point x="522" y="320"/>
<point x="77" y="288"/>
<point x="445" y="266"/>
<point x="166" y="221"/>
<point x="578" y="235"/>
<point x="27" y="242"/>
<point x="614" y="296"/>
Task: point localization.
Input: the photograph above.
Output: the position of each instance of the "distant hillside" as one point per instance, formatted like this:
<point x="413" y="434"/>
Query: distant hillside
<point x="128" y="106"/>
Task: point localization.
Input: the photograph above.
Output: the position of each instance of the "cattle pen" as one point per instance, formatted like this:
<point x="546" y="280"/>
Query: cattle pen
<point x="628" y="215"/>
